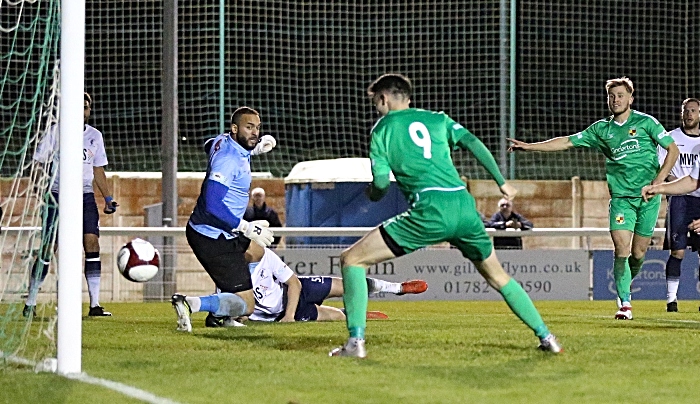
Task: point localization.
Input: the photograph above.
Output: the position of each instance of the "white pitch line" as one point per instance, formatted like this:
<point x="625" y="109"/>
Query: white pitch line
<point x="120" y="388"/>
<point x="109" y="384"/>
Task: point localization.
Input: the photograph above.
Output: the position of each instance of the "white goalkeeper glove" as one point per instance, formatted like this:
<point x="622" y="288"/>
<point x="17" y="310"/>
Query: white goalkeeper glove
<point x="265" y="144"/>
<point x="257" y="231"/>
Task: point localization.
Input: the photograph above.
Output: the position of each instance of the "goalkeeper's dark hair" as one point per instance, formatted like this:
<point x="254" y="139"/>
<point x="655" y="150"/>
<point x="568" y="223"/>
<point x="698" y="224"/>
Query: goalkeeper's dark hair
<point x="622" y="81"/>
<point x="86" y="97"/>
<point x="238" y="113"/>
<point x="395" y="84"/>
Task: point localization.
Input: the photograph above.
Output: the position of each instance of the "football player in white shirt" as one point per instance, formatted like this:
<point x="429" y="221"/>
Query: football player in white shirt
<point x="280" y="295"/>
<point x="682" y="209"/>
<point x="94" y="161"/>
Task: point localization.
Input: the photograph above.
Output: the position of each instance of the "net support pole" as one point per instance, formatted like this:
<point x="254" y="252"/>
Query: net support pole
<point x="503" y="86"/>
<point x="222" y="42"/>
<point x="513" y="84"/>
<point x="70" y="229"/>
<point x="169" y="141"/>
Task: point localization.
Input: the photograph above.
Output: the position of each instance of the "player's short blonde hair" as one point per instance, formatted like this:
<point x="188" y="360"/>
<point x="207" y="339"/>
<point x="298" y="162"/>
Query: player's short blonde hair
<point x="257" y="191"/>
<point x="687" y="100"/>
<point x="622" y="81"/>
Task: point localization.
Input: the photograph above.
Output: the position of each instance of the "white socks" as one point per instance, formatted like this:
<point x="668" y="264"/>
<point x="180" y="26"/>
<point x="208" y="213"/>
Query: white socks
<point x="195" y="303"/>
<point x="672" y="289"/>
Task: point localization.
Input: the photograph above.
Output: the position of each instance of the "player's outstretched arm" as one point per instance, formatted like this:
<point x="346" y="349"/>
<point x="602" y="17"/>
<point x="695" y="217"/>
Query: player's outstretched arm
<point x="680" y="186"/>
<point x="483" y="156"/>
<point x="554" y="144"/>
<point x="672" y="154"/>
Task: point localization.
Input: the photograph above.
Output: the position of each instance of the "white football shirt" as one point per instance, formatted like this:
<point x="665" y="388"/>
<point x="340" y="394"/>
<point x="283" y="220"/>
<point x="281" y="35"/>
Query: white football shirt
<point x="695" y="172"/>
<point x="268" y="278"/>
<point x="94" y="154"/>
<point x="689" y="147"/>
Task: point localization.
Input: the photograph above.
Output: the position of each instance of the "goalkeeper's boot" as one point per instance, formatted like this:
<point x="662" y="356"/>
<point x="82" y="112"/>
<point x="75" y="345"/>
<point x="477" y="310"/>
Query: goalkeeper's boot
<point x="183" y="311"/>
<point x="625" y="312"/>
<point x="98" y="311"/>
<point x="413" y="287"/>
<point x="376" y="315"/>
<point x="355" y="347"/>
<point x="213" y="322"/>
<point x="550" y="343"/>
<point x="29" y="311"/>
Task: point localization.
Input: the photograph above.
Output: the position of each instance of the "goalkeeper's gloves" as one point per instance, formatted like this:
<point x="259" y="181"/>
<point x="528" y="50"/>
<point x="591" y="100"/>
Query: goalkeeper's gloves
<point x="265" y="144"/>
<point x="110" y="205"/>
<point x="257" y="231"/>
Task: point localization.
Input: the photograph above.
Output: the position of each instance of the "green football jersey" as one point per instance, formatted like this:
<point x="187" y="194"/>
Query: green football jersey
<point x="630" y="150"/>
<point x="415" y="145"/>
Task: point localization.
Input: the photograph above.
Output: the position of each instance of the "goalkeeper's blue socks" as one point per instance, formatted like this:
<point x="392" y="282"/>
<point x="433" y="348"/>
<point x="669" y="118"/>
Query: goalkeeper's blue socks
<point x="220" y="304"/>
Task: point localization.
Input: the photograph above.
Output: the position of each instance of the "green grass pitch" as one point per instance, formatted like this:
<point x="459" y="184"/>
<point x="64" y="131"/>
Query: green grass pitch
<point x="428" y="352"/>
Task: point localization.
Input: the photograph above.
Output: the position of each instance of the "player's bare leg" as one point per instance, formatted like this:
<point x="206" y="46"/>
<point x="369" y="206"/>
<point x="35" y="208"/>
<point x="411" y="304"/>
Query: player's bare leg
<point x="518" y="301"/>
<point x="369" y="250"/>
<point x="622" y="240"/>
<point x="329" y="313"/>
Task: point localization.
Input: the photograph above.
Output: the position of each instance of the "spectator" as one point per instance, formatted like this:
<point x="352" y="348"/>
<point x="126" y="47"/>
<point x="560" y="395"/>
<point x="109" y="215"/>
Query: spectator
<point x="260" y="211"/>
<point x="507" y="218"/>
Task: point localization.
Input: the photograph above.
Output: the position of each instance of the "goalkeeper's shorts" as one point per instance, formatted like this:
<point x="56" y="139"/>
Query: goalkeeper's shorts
<point x="440" y="216"/>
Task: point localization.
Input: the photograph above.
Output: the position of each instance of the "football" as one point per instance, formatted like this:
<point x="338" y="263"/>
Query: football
<point x="138" y="260"/>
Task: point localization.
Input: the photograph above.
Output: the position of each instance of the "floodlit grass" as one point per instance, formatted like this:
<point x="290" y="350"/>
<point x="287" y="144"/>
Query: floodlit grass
<point x="428" y="352"/>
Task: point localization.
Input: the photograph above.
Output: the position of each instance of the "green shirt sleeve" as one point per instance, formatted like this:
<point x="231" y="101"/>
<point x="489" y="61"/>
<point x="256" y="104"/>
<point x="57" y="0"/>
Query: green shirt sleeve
<point x="380" y="163"/>
<point x="586" y="138"/>
<point x="459" y="136"/>
<point x="658" y="133"/>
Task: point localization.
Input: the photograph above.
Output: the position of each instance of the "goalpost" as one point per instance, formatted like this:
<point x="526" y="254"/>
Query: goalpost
<point x="70" y="246"/>
<point x="33" y="93"/>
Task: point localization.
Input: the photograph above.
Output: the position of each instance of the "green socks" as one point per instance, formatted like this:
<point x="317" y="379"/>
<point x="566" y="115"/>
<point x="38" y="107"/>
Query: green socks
<point x="521" y="304"/>
<point x="635" y="266"/>
<point x="355" y="300"/>
<point x="623" y="278"/>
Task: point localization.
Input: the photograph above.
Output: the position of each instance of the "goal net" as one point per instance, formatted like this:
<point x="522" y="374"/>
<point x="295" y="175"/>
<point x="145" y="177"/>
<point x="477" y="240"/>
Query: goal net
<point x="28" y="107"/>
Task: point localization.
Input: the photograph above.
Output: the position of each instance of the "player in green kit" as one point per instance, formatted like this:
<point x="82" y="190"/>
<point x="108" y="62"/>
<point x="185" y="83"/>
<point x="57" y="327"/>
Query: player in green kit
<point x="415" y="145"/>
<point x="629" y="140"/>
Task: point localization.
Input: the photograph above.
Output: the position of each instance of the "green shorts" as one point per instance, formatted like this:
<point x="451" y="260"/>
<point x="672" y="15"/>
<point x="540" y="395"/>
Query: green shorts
<point x="439" y="216"/>
<point x="635" y="215"/>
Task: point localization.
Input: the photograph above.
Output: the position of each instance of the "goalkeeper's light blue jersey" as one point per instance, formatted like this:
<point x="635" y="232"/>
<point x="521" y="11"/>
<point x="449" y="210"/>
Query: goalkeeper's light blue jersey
<point x="229" y="164"/>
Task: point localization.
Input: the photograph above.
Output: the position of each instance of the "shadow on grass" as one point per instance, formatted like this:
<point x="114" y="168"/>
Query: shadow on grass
<point x="281" y="343"/>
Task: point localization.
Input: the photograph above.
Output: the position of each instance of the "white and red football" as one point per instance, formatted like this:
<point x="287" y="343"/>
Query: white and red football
<point x="138" y="260"/>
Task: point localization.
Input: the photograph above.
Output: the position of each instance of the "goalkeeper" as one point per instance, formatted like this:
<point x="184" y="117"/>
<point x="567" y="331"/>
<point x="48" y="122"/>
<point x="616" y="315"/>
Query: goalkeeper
<point x="415" y="145"/>
<point x="629" y="141"/>
<point x="216" y="231"/>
